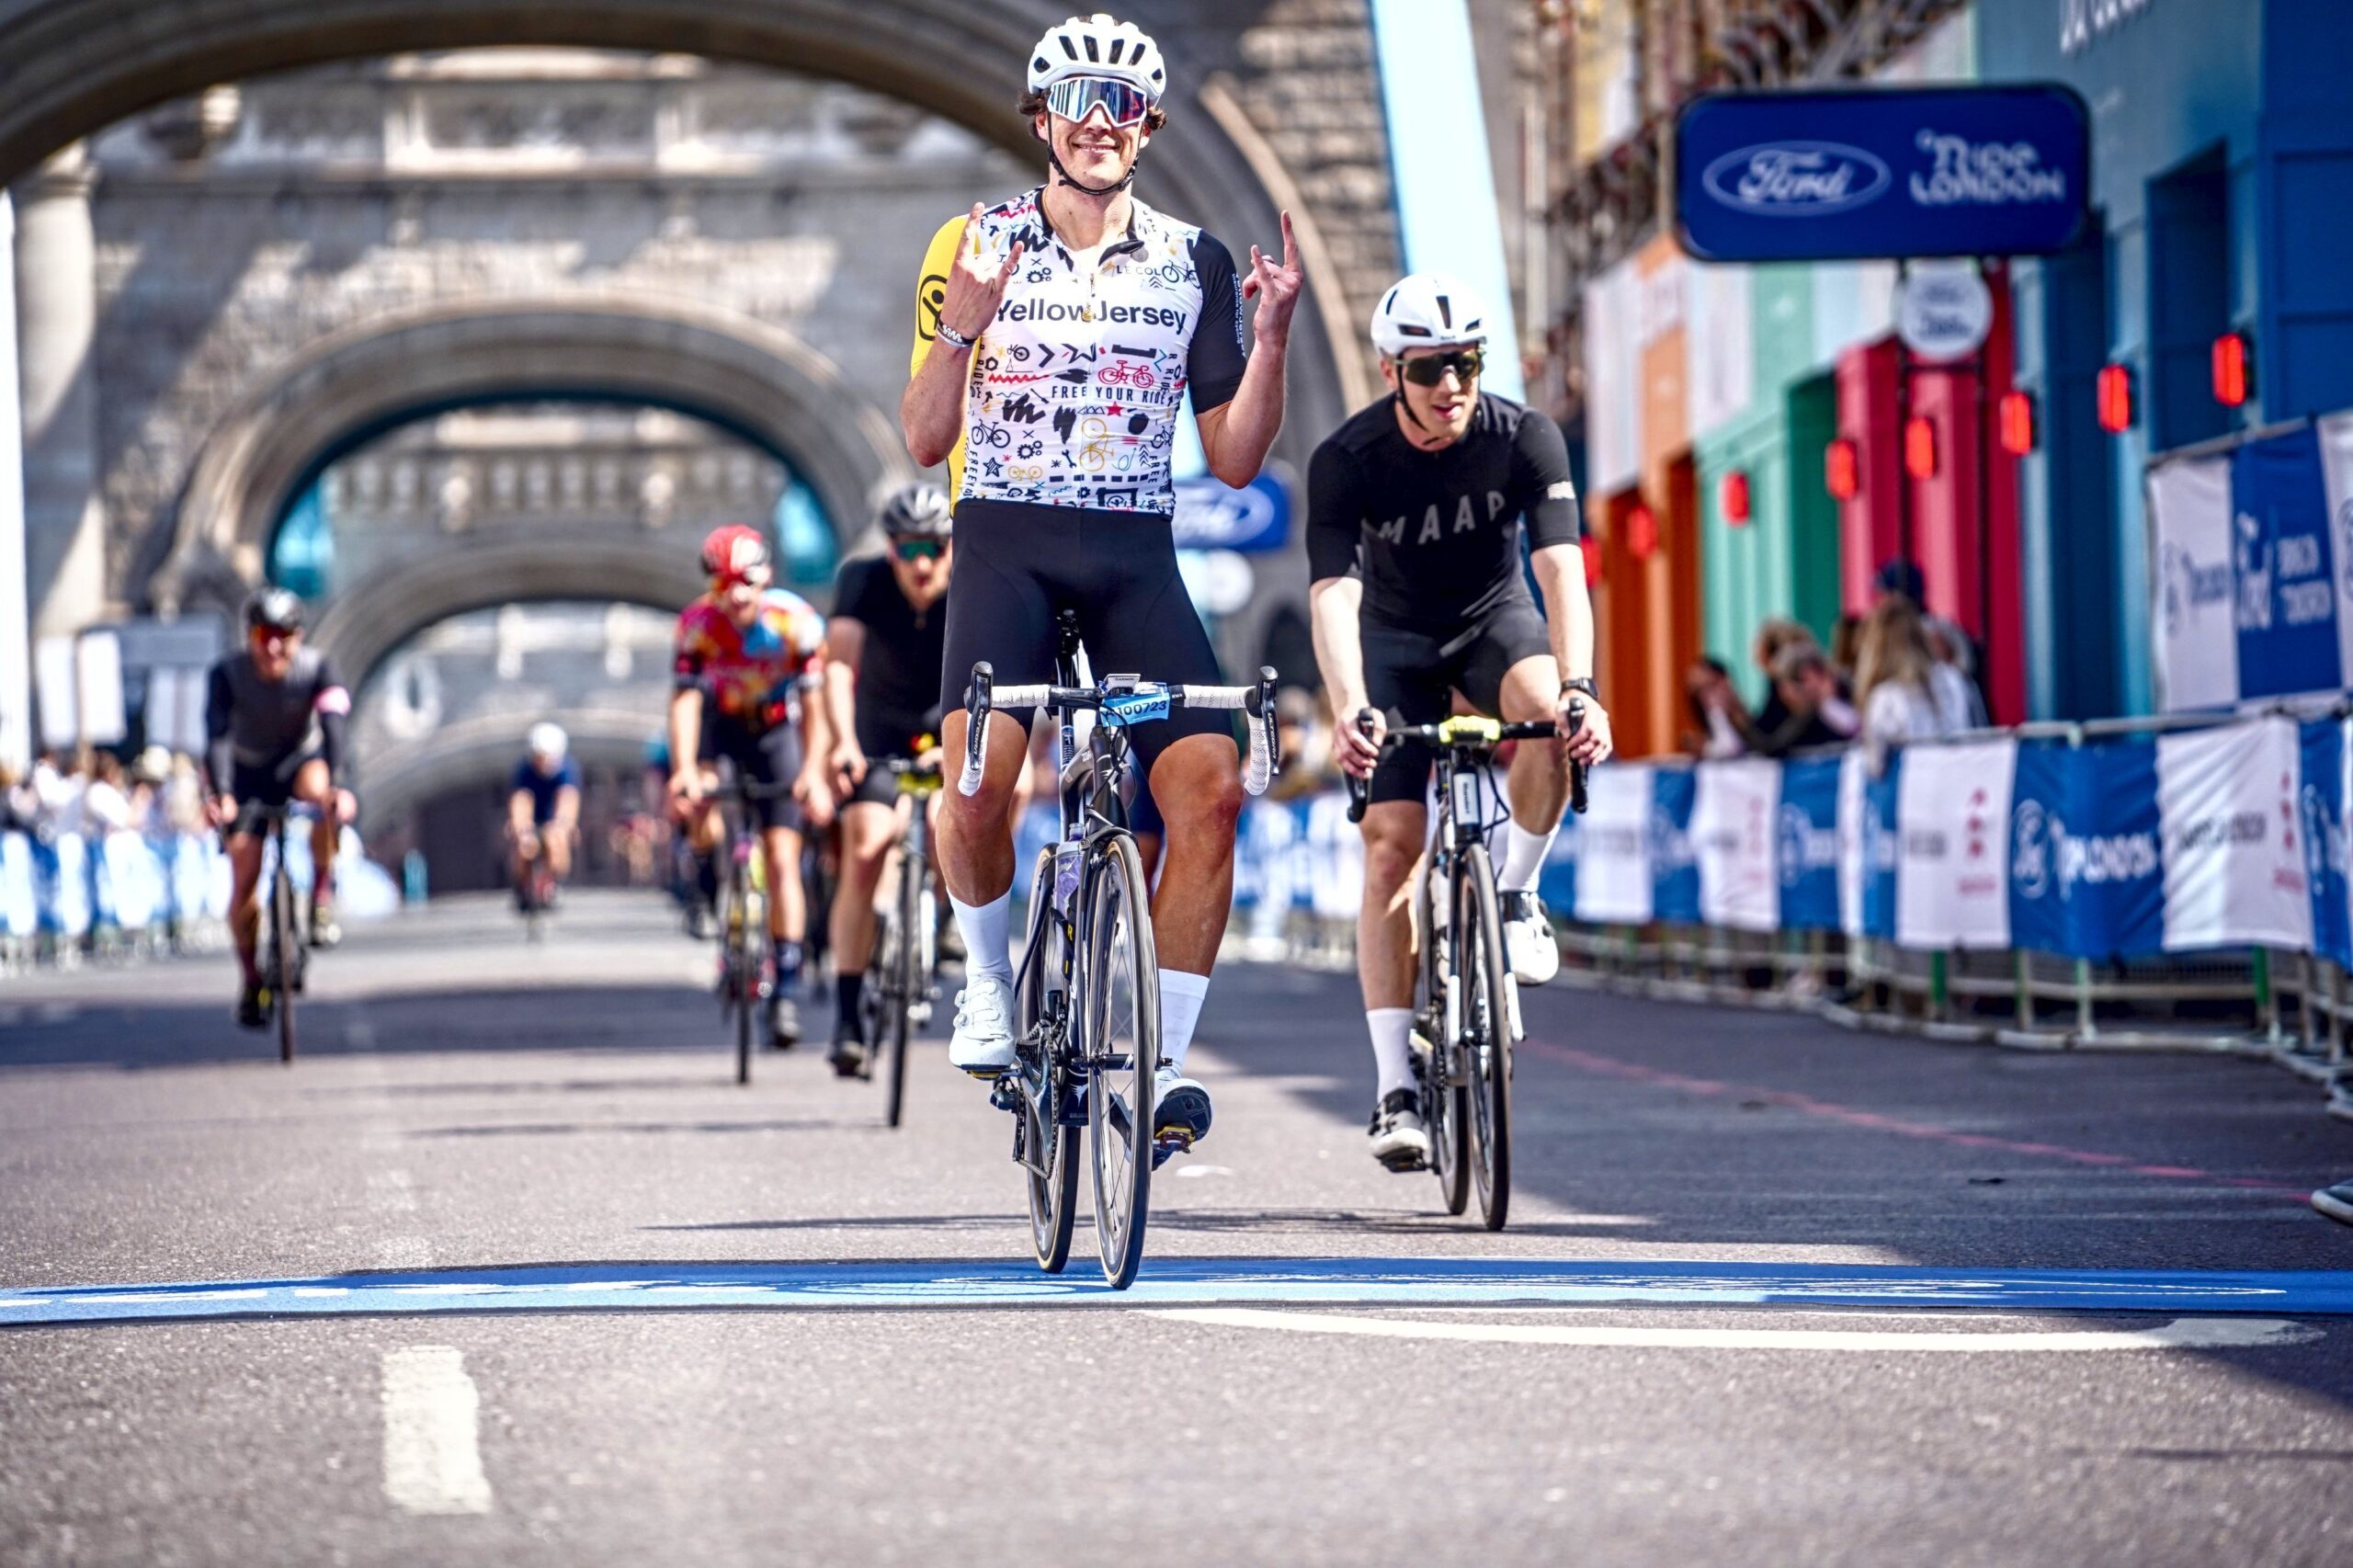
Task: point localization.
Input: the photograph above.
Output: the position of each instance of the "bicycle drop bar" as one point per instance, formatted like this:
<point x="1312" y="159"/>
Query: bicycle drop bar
<point x="1361" y="790"/>
<point x="1257" y="702"/>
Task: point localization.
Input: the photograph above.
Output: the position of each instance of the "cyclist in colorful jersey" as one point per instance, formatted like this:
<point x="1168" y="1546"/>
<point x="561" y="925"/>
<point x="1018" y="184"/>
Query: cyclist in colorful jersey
<point x="883" y="644"/>
<point x="1416" y="507"/>
<point x="542" y="811"/>
<point x="746" y="652"/>
<point x="1058" y="334"/>
<point x="273" y="717"/>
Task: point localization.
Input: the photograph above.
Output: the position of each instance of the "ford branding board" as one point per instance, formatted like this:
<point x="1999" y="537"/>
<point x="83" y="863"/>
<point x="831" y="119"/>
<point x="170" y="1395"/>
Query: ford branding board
<point x="1881" y="172"/>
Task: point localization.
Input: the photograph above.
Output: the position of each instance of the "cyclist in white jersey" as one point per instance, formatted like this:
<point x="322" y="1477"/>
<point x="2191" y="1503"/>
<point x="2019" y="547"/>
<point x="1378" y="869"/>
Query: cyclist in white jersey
<point x="1058" y="334"/>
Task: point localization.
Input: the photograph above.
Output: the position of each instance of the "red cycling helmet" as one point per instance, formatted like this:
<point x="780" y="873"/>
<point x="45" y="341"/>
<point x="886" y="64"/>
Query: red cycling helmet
<point x="733" y="552"/>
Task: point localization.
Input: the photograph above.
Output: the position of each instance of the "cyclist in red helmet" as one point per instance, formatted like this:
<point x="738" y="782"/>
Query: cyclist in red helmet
<point x="746" y="653"/>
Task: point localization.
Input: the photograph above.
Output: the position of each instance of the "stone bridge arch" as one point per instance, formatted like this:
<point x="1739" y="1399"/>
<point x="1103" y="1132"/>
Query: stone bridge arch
<point x="748" y="376"/>
<point x="482" y="750"/>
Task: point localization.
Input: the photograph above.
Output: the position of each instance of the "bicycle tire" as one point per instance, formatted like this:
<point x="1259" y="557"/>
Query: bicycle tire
<point x="281" y="965"/>
<point x="1053" y="1195"/>
<point x="1443" y="1108"/>
<point x="906" y="975"/>
<point x="742" y="976"/>
<point x="1119" y="941"/>
<point x="1486" y="1050"/>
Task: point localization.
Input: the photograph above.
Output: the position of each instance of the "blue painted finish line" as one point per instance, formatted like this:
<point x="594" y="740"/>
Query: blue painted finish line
<point x="1368" y="1282"/>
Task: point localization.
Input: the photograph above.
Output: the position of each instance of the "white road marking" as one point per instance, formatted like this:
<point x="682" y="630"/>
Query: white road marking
<point x="2181" y="1334"/>
<point x="1204" y="1170"/>
<point x="432" y="1459"/>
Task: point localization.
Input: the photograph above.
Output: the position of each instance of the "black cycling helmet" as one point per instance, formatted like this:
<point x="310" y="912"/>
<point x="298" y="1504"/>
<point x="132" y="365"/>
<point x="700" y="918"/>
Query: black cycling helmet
<point x="280" y="609"/>
<point x="919" y="511"/>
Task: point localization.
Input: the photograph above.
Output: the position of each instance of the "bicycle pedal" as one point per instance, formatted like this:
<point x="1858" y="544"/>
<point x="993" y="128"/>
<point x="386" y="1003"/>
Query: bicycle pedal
<point x="1167" y="1145"/>
<point x="1006" y="1095"/>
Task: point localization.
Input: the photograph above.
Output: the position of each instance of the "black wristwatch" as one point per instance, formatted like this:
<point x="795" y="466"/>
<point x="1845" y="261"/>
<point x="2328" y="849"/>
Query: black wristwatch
<point x="1583" y="684"/>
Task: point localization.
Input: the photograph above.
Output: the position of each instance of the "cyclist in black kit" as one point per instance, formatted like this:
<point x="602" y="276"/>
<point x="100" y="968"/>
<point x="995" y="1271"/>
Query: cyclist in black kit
<point x="273" y="723"/>
<point x="1415" y="510"/>
<point x="883" y="645"/>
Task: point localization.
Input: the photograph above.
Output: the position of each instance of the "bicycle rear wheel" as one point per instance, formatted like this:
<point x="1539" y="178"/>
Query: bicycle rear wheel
<point x="906" y="975"/>
<point x="284" y="956"/>
<point x="1122" y="975"/>
<point x="1486" y="1034"/>
<point x="1051" y="1148"/>
<point x="1443" y="1111"/>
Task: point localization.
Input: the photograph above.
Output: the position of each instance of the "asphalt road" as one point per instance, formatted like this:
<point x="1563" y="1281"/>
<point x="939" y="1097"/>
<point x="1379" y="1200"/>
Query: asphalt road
<point x="506" y="1268"/>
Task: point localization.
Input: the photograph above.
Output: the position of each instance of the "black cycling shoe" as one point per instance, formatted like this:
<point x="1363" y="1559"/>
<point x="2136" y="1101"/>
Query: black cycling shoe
<point x="848" y="1055"/>
<point x="784" y="1021"/>
<point x="2336" y="1203"/>
<point x="1398" y="1137"/>
<point x="252" y="1009"/>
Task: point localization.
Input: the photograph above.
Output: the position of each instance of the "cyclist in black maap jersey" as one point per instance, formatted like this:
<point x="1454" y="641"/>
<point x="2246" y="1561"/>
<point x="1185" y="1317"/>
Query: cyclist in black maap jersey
<point x="274" y="718"/>
<point x="1057" y="336"/>
<point x="1415" y="508"/>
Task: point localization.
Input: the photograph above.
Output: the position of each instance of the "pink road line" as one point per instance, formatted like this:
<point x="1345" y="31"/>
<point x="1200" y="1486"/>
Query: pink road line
<point x="1613" y="1067"/>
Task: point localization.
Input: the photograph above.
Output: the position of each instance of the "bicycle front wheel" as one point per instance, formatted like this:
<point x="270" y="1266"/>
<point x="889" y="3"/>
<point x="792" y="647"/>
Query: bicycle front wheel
<point x="285" y="957"/>
<point x="1050" y="1150"/>
<point x="1121" y="1047"/>
<point x="741" y="976"/>
<point x="906" y="975"/>
<point x="1443" y="1111"/>
<point x="1487" y="1033"/>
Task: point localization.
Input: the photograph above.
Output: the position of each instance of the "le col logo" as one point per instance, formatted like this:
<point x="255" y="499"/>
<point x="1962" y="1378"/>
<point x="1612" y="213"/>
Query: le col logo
<point x="1797" y="179"/>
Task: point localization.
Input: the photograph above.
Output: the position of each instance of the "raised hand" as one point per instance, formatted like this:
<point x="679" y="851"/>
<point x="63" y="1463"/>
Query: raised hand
<point x="976" y="284"/>
<point x="1275" y="288"/>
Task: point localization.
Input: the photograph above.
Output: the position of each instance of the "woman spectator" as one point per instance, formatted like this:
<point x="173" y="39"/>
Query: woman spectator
<point x="1722" y="719"/>
<point x="1904" y="692"/>
<point x="105" y="805"/>
<point x="1773" y="634"/>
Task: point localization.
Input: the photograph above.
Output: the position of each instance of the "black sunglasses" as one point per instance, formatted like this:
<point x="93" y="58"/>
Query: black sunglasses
<point x="919" y="548"/>
<point x="1431" y="368"/>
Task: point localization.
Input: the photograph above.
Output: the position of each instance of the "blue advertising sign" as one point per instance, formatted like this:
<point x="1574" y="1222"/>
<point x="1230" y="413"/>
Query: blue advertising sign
<point x="2322" y="742"/>
<point x="2284" y="559"/>
<point x="1675" y="865"/>
<point x="1807" y="853"/>
<point x="2087" y="873"/>
<point x="1214" y="515"/>
<point x="1880" y="845"/>
<point x="1892" y="171"/>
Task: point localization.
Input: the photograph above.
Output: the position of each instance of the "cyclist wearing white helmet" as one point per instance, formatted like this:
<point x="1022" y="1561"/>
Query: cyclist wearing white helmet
<point x="883" y="645"/>
<point x="1415" y="512"/>
<point x="1057" y="336"/>
<point x="542" y="814"/>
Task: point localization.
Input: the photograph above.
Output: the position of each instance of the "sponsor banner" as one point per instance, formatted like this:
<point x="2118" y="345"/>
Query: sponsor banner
<point x="1556" y="880"/>
<point x="1613" y="884"/>
<point x="1807" y="860"/>
<point x="2233" y="836"/>
<point x="1675" y="865"/>
<point x="1212" y="515"/>
<point x="2197" y="663"/>
<point x="1734" y="833"/>
<point x="2284" y="560"/>
<point x="2336" y="482"/>
<point x="2321" y="798"/>
<point x="2086" y="866"/>
<point x="1867" y="846"/>
<point x="1953" y="808"/>
<point x="1880" y="172"/>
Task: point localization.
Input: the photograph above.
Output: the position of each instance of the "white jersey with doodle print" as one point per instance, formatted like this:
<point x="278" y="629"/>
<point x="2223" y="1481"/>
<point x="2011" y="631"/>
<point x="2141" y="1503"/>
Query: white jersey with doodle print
<point x="1076" y="386"/>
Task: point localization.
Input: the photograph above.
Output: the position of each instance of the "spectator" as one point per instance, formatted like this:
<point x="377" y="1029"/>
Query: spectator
<point x="106" y="804"/>
<point x="1818" y="714"/>
<point x="1947" y="643"/>
<point x="1722" y="719"/>
<point x="182" y="796"/>
<point x="1904" y="692"/>
<point x="18" y="803"/>
<point x="57" y="795"/>
<point x="1773" y="634"/>
<point x="1843" y="636"/>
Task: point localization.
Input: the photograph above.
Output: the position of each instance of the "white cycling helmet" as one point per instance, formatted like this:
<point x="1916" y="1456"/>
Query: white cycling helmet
<point x="549" y="741"/>
<point x="1099" y="46"/>
<point x="1428" y="309"/>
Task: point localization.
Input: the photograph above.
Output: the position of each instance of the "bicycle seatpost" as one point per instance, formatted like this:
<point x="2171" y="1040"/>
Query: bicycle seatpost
<point x="1360" y="790"/>
<point x="976" y="703"/>
<point x="1576" y="769"/>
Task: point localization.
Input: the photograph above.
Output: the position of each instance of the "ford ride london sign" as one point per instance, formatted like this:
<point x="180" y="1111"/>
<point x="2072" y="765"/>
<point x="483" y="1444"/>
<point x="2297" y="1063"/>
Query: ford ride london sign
<point x="1874" y="173"/>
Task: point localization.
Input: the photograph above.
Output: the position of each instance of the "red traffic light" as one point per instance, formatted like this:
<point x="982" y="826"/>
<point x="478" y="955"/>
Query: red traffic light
<point x="2115" y="387"/>
<point x="1920" y="447"/>
<point x="1842" y="469"/>
<point x="1734" y="498"/>
<point x="2234" y="369"/>
<point x="2016" y="418"/>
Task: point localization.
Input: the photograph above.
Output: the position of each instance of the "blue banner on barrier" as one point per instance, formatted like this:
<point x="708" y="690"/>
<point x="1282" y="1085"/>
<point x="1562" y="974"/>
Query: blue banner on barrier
<point x="2086" y="877"/>
<point x="1879" y="847"/>
<point x="1807" y="852"/>
<point x="2322" y="742"/>
<point x="1556" y="880"/>
<point x="2286" y="582"/>
<point x="1674" y="867"/>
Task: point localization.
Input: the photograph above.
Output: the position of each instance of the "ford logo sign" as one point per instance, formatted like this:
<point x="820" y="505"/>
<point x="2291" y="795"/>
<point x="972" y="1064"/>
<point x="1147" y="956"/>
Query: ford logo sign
<point x="1797" y="179"/>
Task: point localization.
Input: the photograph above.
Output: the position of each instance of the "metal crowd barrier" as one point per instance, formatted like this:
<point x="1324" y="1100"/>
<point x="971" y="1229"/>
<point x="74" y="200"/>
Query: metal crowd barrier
<point x="68" y="898"/>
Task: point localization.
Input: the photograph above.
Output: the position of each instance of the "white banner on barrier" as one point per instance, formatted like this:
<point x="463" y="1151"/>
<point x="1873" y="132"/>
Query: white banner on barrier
<point x="2228" y="818"/>
<point x="1614" y="853"/>
<point x="1952" y="815"/>
<point x="1732" y="821"/>
<point x="2336" y="479"/>
<point x="2197" y="663"/>
<point x="1851" y="805"/>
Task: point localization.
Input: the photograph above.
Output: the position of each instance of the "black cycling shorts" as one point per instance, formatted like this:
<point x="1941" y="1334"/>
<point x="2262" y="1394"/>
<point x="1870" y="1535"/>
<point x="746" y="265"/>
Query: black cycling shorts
<point x="881" y="786"/>
<point x="758" y="756"/>
<point x="1411" y="677"/>
<point x="1017" y="565"/>
<point x="257" y="788"/>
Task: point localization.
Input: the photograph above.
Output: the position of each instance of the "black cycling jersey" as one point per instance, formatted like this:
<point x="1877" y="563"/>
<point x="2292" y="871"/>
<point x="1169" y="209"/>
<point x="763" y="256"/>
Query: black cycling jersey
<point x="898" y="662"/>
<point x="255" y="729"/>
<point x="1435" y="536"/>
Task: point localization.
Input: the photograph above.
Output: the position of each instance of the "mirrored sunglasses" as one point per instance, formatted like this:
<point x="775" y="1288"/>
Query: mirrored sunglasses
<point x="1429" y="369"/>
<point x="1075" y="98"/>
<point x="917" y="548"/>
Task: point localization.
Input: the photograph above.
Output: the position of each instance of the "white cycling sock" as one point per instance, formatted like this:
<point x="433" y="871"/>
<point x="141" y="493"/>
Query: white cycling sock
<point x="1524" y="855"/>
<point x="1180" y="1009"/>
<point x="1391" y="1054"/>
<point x="988" y="936"/>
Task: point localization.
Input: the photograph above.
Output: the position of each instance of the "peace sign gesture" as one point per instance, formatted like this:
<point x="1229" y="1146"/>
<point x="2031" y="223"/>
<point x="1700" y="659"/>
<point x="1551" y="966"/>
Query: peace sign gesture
<point x="1275" y="288"/>
<point x="976" y="284"/>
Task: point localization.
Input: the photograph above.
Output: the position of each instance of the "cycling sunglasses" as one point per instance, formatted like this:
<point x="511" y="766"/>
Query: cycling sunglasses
<point x="918" y="548"/>
<point x="1075" y="98"/>
<point x="1431" y="368"/>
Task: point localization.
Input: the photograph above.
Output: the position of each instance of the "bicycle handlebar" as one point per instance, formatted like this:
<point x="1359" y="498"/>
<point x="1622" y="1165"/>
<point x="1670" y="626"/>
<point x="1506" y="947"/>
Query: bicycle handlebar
<point x="1258" y="701"/>
<point x="1361" y="790"/>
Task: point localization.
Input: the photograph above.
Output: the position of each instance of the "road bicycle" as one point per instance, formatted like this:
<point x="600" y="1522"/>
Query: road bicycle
<point x="743" y="915"/>
<point x="1466" y="1015"/>
<point x="903" y="976"/>
<point x="285" y="958"/>
<point x="1087" y="1036"/>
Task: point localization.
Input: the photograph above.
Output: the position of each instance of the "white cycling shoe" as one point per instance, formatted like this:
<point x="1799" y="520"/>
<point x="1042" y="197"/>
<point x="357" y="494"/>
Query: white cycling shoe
<point x="982" y="1043"/>
<point x="1529" y="941"/>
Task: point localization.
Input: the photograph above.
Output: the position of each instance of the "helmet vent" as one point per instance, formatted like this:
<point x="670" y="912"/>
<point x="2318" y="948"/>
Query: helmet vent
<point x="1093" y="54"/>
<point x="1445" y="311"/>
